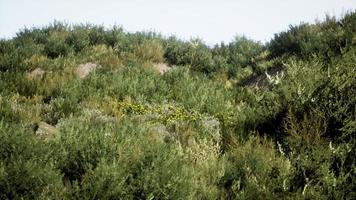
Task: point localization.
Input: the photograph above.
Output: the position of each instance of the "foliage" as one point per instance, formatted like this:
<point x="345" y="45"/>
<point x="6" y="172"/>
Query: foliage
<point x="150" y="51"/>
<point x="194" y="54"/>
<point x="242" y="120"/>
<point x="27" y="170"/>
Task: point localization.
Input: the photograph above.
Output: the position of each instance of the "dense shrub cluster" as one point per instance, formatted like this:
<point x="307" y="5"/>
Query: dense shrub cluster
<point x="242" y="120"/>
<point x="194" y="54"/>
<point x="325" y="39"/>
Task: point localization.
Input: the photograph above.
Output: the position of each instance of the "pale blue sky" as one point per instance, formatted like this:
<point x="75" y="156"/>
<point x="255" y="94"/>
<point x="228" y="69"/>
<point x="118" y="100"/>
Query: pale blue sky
<point x="211" y="20"/>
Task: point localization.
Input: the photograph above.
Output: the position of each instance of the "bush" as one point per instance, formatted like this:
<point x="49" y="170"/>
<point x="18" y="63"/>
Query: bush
<point x="56" y="45"/>
<point x="194" y="54"/>
<point x="197" y="92"/>
<point x="327" y="39"/>
<point x="84" y="145"/>
<point x="151" y="51"/>
<point x="239" y="54"/>
<point x="30" y="180"/>
<point x="19" y="109"/>
<point x="103" y="55"/>
<point x="26" y="167"/>
<point x="57" y="109"/>
<point x="13" y="53"/>
<point x="254" y="171"/>
<point x="78" y="39"/>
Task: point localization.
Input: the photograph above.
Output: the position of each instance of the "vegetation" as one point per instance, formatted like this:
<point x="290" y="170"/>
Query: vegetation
<point x="242" y="120"/>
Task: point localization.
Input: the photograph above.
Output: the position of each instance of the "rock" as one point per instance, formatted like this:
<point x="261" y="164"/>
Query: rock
<point x="36" y="73"/>
<point x="96" y="116"/>
<point x="211" y="126"/>
<point x="84" y="70"/>
<point x="162" y="67"/>
<point x="46" y="131"/>
<point x="161" y="131"/>
<point x="262" y="80"/>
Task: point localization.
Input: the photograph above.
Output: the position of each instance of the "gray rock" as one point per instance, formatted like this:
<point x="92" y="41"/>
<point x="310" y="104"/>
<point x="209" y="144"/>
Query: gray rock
<point x="162" y="67"/>
<point x="84" y="70"/>
<point x="162" y="132"/>
<point x="36" y="73"/>
<point x="46" y="131"/>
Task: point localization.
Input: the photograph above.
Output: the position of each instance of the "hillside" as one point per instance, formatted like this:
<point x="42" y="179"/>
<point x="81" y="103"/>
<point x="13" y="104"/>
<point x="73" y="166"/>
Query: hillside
<point x="94" y="113"/>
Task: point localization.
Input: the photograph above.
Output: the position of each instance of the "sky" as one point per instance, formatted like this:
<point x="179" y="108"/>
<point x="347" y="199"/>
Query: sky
<point x="213" y="21"/>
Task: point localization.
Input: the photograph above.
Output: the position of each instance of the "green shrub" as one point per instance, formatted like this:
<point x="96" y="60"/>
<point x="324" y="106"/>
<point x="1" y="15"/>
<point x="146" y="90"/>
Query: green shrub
<point x="114" y="36"/>
<point x="151" y="51"/>
<point x="83" y="145"/>
<point x="102" y="55"/>
<point x="17" y="82"/>
<point x="30" y="180"/>
<point x="56" y="46"/>
<point x="20" y="109"/>
<point x="13" y="53"/>
<point x="254" y="171"/>
<point x="337" y="99"/>
<point x="26" y="167"/>
<point x="239" y="54"/>
<point x="96" y="35"/>
<point x="78" y="39"/>
<point x="59" y="108"/>
<point x="327" y="39"/>
<point x="197" y="92"/>
<point x="194" y="54"/>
